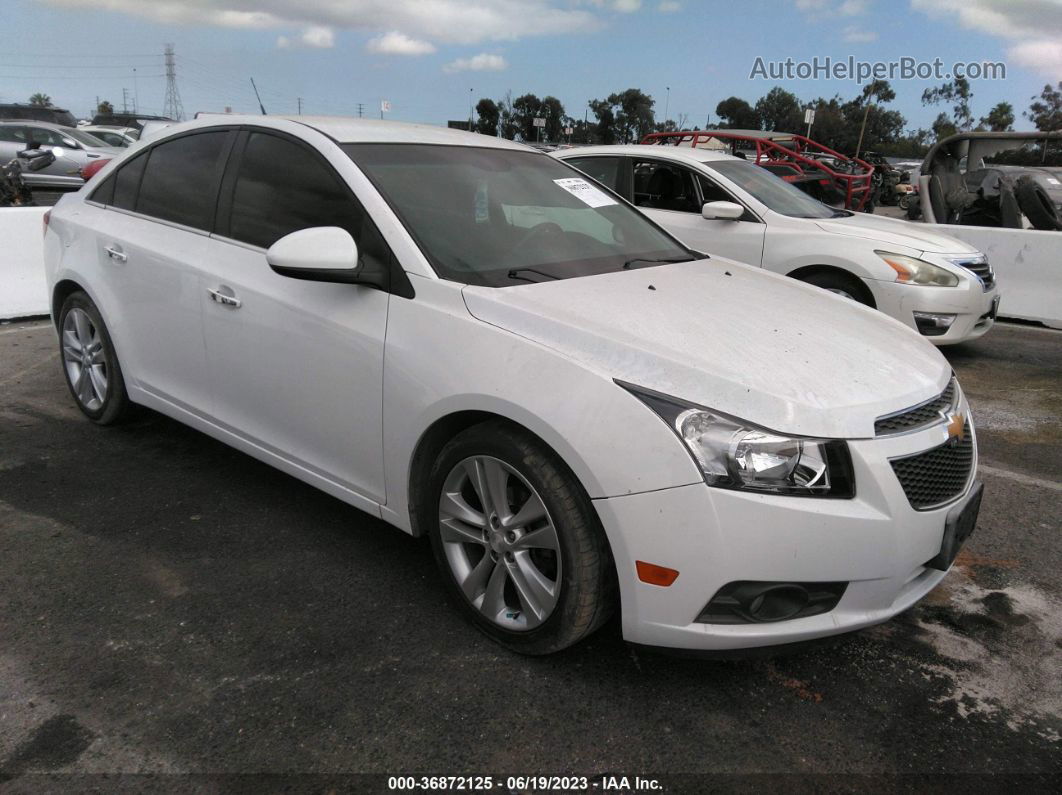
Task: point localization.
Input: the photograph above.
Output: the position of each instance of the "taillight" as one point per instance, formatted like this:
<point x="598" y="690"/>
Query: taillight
<point x="46" y="218"/>
<point x="93" y="167"/>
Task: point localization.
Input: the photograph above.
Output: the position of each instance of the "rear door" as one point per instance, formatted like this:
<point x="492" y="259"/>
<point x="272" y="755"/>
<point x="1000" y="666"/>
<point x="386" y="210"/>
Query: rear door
<point x="296" y="366"/>
<point x="151" y="248"/>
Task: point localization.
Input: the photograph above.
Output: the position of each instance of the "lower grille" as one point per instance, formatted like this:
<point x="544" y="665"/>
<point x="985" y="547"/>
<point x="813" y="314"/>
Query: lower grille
<point x="936" y="476"/>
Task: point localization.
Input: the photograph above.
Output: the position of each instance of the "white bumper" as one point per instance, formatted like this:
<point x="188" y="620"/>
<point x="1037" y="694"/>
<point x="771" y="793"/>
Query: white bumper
<point x="970" y="303"/>
<point x="876" y="542"/>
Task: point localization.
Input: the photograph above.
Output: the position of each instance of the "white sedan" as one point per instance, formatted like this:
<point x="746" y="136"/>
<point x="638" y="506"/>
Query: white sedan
<point x="473" y="342"/>
<point x="726" y="206"/>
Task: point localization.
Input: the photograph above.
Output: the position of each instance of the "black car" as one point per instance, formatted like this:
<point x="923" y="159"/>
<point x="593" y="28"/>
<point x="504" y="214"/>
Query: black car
<point x="61" y="116"/>
<point x="126" y="119"/>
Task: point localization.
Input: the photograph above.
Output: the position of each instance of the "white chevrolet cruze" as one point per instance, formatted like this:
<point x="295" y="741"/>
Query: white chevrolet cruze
<point x="723" y="205"/>
<point x="473" y="342"/>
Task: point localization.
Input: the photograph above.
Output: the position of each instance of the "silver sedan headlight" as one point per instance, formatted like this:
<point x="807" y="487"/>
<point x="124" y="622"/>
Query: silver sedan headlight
<point x="734" y="454"/>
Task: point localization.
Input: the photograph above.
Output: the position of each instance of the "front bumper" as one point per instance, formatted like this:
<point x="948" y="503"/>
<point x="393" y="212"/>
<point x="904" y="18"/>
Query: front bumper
<point x="969" y="302"/>
<point x="876" y="542"/>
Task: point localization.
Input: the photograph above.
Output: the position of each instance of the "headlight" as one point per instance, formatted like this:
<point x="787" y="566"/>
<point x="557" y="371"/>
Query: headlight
<point x="917" y="271"/>
<point x="734" y="454"/>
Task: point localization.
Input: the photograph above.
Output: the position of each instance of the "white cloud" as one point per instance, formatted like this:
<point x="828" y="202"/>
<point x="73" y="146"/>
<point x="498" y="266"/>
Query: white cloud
<point x="853" y="8"/>
<point x="395" y="43"/>
<point x="453" y="21"/>
<point x="316" y="36"/>
<point x="668" y="7"/>
<point x="1033" y="26"/>
<point x="810" y="5"/>
<point x="484" y="62"/>
<point x="845" y="8"/>
<point x="627" y="6"/>
<point x="856" y="35"/>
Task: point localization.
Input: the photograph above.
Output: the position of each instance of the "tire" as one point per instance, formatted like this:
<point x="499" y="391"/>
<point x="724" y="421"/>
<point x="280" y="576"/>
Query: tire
<point x="99" y="389"/>
<point x="1036" y="203"/>
<point x="904" y="203"/>
<point x="571" y="588"/>
<point x="841" y="283"/>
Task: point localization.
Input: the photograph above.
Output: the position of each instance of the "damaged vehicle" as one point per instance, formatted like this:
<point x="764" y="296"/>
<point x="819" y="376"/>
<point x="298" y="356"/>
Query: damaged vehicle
<point x="997" y="179"/>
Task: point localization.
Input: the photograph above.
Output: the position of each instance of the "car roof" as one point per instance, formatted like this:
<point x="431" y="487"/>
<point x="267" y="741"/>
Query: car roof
<point x="682" y="154"/>
<point x="36" y="123"/>
<point x="348" y="130"/>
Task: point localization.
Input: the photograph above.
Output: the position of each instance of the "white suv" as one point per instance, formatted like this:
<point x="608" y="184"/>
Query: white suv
<point x="726" y="206"/>
<point x="471" y="341"/>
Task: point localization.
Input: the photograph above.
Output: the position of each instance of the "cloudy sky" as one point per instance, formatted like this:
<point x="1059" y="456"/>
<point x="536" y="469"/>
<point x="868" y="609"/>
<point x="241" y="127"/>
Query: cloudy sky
<point x="424" y="56"/>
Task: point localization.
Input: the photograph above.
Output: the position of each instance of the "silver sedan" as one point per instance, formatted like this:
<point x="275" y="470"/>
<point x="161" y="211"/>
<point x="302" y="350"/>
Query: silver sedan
<point x="78" y="150"/>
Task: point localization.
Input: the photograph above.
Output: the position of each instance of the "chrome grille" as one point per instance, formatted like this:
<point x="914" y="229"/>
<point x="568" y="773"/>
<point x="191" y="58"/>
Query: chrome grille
<point x="922" y="416"/>
<point x="978" y="266"/>
<point x="936" y="476"/>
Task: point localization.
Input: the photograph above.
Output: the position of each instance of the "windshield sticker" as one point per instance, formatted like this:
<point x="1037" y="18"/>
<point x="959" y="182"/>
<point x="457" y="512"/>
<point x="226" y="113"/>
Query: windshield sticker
<point x="585" y="192"/>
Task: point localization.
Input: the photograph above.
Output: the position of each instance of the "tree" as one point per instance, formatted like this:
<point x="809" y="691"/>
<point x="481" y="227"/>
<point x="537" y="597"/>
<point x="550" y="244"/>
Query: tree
<point x="605" y="130"/>
<point x="1046" y="110"/>
<point x="737" y="114"/>
<point x="1000" y="118"/>
<point x="105" y="108"/>
<point x="779" y="110"/>
<point x="943" y="127"/>
<point x="553" y="110"/>
<point x="879" y="90"/>
<point x="507" y="122"/>
<point x="634" y="118"/>
<point x="488" y="116"/>
<point x="957" y="92"/>
<point x="41" y="100"/>
<point x="525" y="110"/>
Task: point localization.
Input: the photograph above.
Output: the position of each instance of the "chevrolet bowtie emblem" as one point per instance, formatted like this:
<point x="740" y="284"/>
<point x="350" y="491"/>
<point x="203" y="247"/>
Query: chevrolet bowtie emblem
<point x="956" y="426"/>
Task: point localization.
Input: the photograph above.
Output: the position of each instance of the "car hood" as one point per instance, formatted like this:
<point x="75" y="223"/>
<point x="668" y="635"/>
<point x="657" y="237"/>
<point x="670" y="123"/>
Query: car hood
<point x="896" y="232"/>
<point x="778" y="353"/>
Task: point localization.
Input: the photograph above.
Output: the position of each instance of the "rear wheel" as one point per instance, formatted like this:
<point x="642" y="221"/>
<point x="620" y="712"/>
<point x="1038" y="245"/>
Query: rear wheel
<point x="517" y="540"/>
<point x="90" y="364"/>
<point x="842" y="284"/>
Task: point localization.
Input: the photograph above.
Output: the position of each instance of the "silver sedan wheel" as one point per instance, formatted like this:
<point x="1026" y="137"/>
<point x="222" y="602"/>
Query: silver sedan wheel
<point x="84" y="359"/>
<point x="841" y="292"/>
<point x="500" y="542"/>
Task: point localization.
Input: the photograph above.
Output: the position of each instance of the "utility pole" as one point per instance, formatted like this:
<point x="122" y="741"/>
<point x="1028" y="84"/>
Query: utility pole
<point x="470" y="109"/>
<point x="667" y="103"/>
<point x="361" y="109"/>
<point x="172" y="107"/>
<point x="125" y="100"/>
<point x="299" y="99"/>
<point x="136" y="93"/>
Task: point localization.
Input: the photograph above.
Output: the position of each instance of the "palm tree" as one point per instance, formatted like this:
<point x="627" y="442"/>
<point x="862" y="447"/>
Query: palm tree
<point x="41" y="100"/>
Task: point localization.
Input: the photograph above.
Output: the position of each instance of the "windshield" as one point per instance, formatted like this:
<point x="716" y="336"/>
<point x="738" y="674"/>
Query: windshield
<point x="84" y="138"/>
<point x="501" y="217"/>
<point x="773" y="191"/>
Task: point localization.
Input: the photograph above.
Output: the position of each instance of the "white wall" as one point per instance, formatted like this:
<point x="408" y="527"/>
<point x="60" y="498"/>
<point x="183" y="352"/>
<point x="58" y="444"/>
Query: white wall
<point x="22" y="287"/>
<point x="1028" y="266"/>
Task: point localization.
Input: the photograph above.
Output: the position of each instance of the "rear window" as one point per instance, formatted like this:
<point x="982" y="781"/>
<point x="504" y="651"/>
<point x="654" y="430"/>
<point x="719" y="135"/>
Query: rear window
<point x="181" y="180"/>
<point x="127" y="182"/>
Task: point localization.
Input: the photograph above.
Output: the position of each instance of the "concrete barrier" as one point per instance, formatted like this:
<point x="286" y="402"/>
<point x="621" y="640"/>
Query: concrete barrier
<point x="1028" y="266"/>
<point x="23" y="291"/>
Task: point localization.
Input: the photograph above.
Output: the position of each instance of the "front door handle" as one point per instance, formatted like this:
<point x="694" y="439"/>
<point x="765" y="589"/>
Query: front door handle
<point x="116" y="253"/>
<point x="220" y="296"/>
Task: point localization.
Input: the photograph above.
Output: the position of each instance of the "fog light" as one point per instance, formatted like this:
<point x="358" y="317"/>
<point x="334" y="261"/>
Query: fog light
<point x="933" y="325"/>
<point x="749" y="602"/>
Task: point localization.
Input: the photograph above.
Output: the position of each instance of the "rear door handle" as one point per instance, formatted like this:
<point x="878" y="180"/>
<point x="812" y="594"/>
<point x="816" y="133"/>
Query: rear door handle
<point x="225" y="299"/>
<point x="116" y="253"/>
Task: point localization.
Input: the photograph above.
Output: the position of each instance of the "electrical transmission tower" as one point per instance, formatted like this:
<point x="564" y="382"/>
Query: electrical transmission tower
<point x="172" y="107"/>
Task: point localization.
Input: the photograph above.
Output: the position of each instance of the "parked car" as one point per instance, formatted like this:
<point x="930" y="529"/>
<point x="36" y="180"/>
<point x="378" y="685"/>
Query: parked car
<point x="391" y="312"/>
<point x="725" y="206"/>
<point x="113" y="136"/>
<point x="20" y="112"/>
<point x="79" y="149"/>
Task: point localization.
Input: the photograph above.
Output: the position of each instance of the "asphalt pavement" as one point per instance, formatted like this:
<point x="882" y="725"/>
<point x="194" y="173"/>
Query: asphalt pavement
<point x="172" y="607"/>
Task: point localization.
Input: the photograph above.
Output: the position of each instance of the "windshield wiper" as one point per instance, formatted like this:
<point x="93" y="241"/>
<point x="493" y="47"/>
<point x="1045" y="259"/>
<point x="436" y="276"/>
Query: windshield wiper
<point x="628" y="263"/>
<point x="515" y="274"/>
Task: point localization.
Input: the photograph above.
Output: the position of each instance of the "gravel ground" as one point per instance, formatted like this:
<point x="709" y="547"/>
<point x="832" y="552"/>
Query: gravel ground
<point x="171" y="606"/>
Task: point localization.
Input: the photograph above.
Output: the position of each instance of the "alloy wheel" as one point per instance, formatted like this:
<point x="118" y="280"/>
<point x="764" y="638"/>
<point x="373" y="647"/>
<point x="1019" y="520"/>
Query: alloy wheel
<point x="84" y="359"/>
<point x="500" y="543"/>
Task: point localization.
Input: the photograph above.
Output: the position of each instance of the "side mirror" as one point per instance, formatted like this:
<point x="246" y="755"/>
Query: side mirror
<point x="723" y="211"/>
<point x="318" y="254"/>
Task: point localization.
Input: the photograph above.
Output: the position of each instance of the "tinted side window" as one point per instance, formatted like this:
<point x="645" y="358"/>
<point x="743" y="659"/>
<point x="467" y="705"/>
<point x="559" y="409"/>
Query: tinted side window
<point x="47" y="137"/>
<point x="13" y="134"/>
<point x="663" y="186"/>
<point x="127" y="182"/>
<point x="282" y="187"/>
<point x="181" y="180"/>
<point x="604" y="169"/>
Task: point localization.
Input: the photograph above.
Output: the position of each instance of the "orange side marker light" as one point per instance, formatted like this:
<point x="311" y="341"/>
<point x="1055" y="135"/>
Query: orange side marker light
<point x="655" y="575"/>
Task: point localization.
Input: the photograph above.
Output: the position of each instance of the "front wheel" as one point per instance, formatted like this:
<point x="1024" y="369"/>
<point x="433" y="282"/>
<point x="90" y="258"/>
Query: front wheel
<point x="90" y="364"/>
<point x="841" y="284"/>
<point x="518" y="542"/>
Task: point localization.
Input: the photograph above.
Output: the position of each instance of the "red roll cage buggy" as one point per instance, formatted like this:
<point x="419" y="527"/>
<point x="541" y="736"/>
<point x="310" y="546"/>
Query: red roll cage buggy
<point x="820" y="171"/>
